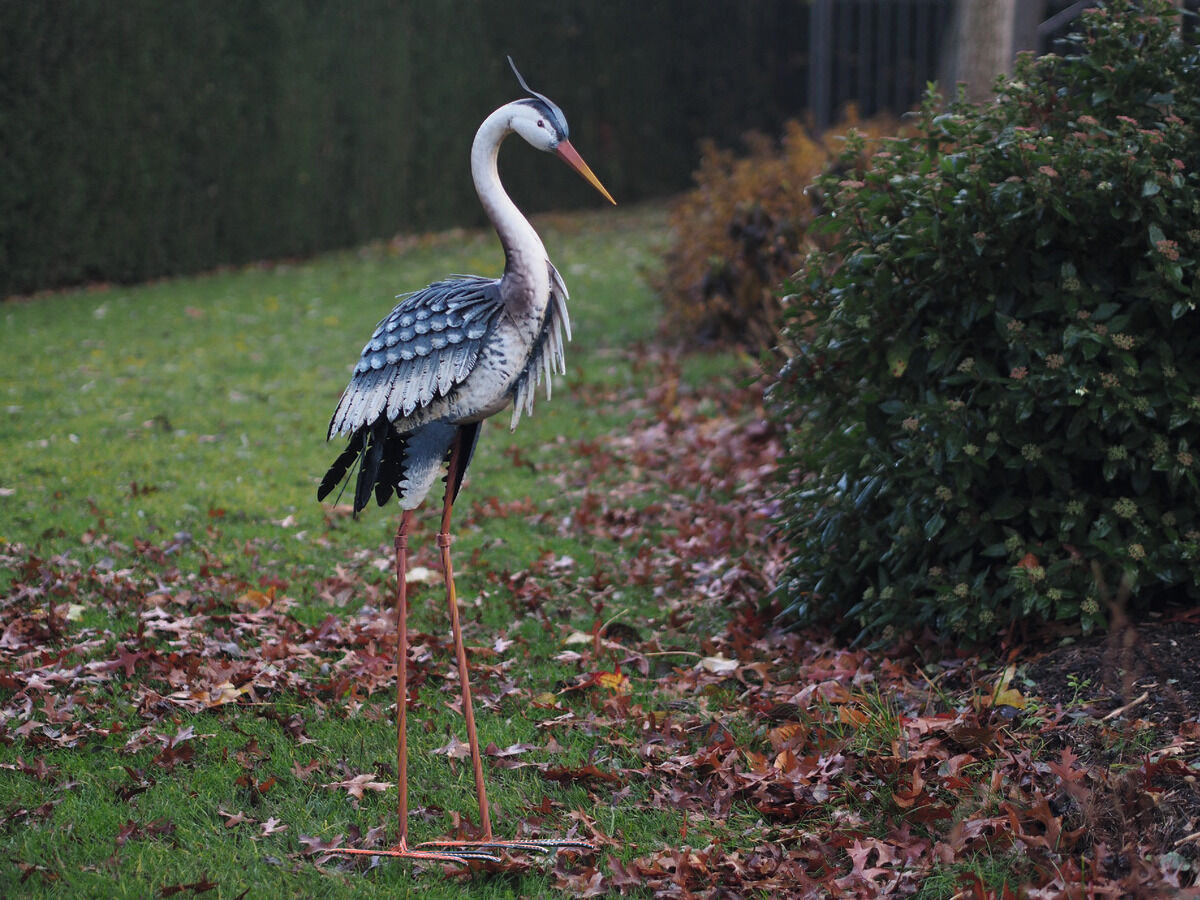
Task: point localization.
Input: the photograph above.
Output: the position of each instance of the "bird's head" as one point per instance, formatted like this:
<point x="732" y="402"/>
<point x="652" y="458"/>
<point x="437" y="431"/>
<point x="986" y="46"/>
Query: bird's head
<point x="542" y="124"/>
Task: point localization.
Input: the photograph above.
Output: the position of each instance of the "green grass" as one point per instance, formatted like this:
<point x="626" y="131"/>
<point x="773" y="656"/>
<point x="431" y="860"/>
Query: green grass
<point x="214" y="391"/>
<point x="191" y="412"/>
<point x="996" y="874"/>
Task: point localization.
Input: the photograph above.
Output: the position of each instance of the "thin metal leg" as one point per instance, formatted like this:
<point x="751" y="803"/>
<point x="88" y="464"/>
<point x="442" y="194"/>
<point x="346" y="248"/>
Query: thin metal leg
<point x="487" y="841"/>
<point x="402" y="673"/>
<point x="484" y="848"/>
<point x="401" y="848"/>
<point x="460" y="652"/>
<point x="465" y="685"/>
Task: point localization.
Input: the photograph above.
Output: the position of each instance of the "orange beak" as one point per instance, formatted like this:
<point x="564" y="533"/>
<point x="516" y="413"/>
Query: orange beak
<point x="571" y="157"/>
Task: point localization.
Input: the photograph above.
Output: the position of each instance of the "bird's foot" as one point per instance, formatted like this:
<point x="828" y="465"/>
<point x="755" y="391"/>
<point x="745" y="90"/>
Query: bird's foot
<point x="531" y="845"/>
<point x="465" y="854"/>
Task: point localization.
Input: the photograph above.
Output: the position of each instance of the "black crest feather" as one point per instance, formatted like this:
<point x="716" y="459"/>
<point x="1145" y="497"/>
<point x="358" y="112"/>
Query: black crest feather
<point x="560" y="119"/>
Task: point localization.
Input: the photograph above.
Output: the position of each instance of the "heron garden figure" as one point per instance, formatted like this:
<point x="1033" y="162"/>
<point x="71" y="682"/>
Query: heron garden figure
<point x="446" y="358"/>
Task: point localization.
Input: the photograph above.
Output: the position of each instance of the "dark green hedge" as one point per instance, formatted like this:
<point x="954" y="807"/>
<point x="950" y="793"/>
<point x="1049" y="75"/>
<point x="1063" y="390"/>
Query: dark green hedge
<point x="144" y="138"/>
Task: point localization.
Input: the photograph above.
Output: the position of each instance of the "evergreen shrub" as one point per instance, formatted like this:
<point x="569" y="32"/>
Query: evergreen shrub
<point x="1000" y="399"/>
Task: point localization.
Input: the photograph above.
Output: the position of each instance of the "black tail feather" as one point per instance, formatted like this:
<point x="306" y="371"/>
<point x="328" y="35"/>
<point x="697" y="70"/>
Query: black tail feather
<point x="383" y="487"/>
<point x="381" y="457"/>
<point x="341" y="465"/>
<point x="391" y="469"/>
<point x="368" y="473"/>
<point x="468" y="437"/>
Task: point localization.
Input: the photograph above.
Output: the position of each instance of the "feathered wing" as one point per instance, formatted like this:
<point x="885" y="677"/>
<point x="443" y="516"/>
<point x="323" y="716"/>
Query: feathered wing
<point x="422" y="350"/>
<point x="548" y="355"/>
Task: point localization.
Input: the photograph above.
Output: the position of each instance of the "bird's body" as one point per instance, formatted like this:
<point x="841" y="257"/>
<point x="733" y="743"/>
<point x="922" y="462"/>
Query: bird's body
<point x="458" y="351"/>
<point x="443" y="360"/>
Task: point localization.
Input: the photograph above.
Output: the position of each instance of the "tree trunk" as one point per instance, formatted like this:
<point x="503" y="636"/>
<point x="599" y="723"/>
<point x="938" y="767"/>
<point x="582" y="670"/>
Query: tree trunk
<point x="985" y="44"/>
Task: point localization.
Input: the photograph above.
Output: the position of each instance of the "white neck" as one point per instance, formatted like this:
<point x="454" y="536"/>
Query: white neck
<point x="522" y="246"/>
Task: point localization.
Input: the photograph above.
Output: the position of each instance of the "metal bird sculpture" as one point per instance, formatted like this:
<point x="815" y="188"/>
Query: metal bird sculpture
<point x="446" y="358"/>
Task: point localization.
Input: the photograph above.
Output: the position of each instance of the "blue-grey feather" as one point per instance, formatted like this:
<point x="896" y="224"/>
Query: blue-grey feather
<point x="456" y="314"/>
<point x="402" y="370"/>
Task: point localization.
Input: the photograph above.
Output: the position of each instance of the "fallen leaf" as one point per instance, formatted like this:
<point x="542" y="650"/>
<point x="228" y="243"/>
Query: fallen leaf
<point x="510" y="750"/>
<point x="314" y="846"/>
<point x="302" y="771"/>
<point x="359" y="783"/>
<point x="421" y="575"/>
<point x="272" y="826"/>
<point x="254" y="599"/>
<point x="718" y="665"/>
<point x="454" y="749"/>
<point x="232" y="820"/>
<point x="613" y="681"/>
<point x="583" y="773"/>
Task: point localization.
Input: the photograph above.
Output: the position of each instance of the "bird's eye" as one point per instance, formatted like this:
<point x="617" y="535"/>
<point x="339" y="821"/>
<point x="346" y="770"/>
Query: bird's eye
<point x="541" y="124"/>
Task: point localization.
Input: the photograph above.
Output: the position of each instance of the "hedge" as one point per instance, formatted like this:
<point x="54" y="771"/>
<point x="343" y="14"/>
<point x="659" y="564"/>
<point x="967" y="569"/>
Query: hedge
<point x="144" y="138"/>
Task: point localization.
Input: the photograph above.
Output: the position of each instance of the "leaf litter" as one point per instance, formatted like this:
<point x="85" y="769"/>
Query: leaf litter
<point x="797" y="766"/>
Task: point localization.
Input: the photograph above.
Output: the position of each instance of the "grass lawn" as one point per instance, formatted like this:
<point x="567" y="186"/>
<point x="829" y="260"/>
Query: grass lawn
<point x="196" y="658"/>
<point x="174" y="432"/>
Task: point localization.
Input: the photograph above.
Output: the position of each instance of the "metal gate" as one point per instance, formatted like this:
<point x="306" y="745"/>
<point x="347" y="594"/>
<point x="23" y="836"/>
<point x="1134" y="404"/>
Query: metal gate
<point x="880" y="54"/>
